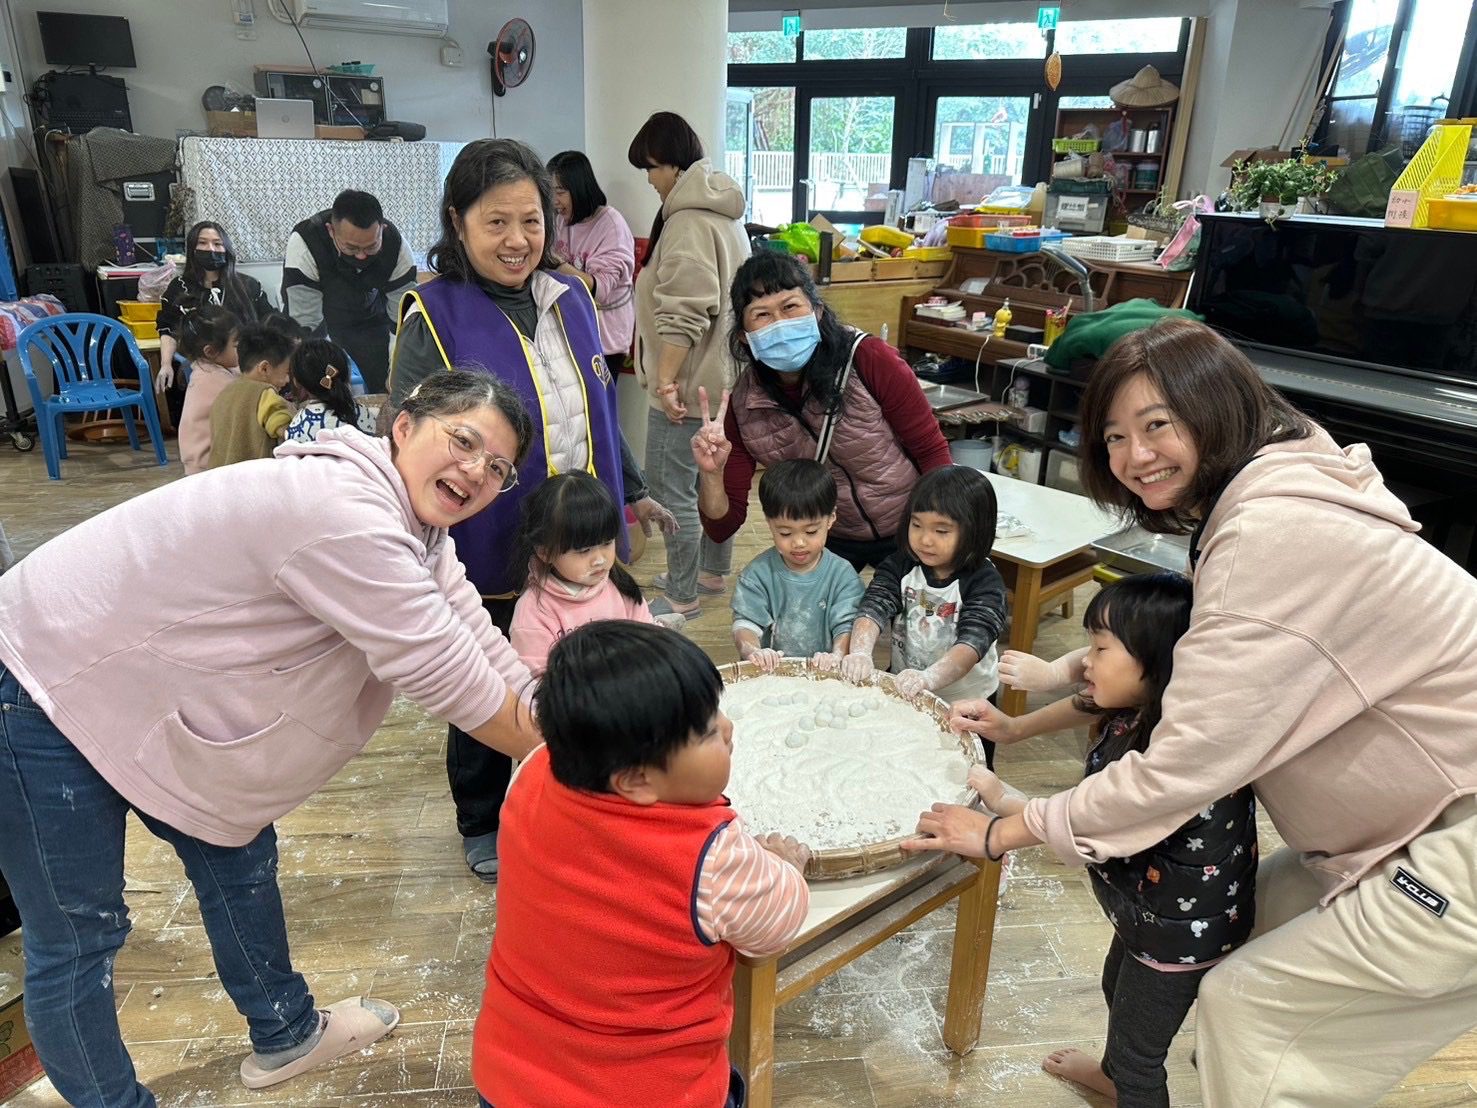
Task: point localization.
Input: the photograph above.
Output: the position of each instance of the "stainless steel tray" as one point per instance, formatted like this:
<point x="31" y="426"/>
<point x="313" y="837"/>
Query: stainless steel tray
<point x="1135" y="550"/>
<point x="943" y="397"/>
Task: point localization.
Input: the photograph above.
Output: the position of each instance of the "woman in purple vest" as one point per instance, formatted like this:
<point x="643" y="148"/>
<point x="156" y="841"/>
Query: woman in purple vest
<point x="499" y="306"/>
<point x="802" y="369"/>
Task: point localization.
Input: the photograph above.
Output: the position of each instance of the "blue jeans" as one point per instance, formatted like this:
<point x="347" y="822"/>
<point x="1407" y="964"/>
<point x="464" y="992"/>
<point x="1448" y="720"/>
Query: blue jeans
<point x="61" y="850"/>
<point x="671" y="475"/>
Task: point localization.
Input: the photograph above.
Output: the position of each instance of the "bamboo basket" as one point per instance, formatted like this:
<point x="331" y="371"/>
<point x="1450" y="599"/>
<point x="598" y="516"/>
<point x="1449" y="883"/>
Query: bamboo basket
<point x="865" y="858"/>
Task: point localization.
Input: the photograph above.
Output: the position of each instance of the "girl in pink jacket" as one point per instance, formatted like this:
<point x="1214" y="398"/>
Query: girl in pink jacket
<point x="568" y="544"/>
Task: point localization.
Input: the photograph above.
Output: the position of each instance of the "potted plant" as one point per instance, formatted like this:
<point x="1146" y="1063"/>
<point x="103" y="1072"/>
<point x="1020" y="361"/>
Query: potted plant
<point x="1275" y="187"/>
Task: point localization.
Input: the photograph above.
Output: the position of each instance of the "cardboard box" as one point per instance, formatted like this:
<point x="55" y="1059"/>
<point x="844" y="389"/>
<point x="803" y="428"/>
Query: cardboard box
<point x="346" y="134"/>
<point x="1272" y="154"/>
<point x="228" y="124"/>
<point x="19" y="1065"/>
<point x="850" y="271"/>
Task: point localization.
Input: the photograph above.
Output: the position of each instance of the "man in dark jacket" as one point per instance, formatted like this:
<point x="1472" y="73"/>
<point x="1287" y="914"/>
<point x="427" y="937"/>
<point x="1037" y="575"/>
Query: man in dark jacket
<point x="343" y="276"/>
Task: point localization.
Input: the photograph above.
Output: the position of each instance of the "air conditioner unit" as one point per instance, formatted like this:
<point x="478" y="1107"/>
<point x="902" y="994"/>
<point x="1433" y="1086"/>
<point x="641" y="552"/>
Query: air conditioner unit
<point x="385" y="17"/>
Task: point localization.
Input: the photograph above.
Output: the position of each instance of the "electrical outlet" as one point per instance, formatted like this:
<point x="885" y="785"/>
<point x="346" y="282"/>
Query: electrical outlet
<point x="5" y="78"/>
<point x="243" y="14"/>
<point x="451" y="55"/>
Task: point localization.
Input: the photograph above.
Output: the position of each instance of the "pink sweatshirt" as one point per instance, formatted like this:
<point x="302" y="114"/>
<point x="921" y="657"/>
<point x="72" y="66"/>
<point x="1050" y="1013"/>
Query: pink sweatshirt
<point x="603" y="247"/>
<point x="220" y="699"/>
<point x="207" y="381"/>
<point x="546" y="613"/>
<point x="1331" y="662"/>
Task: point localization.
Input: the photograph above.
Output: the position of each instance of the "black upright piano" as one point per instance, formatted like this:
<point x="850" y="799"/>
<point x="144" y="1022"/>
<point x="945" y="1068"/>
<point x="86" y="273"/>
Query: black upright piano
<point x="1373" y="332"/>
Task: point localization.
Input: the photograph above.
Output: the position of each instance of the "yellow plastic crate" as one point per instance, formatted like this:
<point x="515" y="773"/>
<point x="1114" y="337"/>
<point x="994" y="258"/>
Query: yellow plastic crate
<point x="139" y="311"/>
<point x="928" y="253"/>
<point x="1452" y="215"/>
<point x="143" y="328"/>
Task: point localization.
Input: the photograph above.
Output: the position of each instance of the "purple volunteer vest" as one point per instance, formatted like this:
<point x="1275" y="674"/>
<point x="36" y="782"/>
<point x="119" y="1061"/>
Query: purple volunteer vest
<point x="473" y="333"/>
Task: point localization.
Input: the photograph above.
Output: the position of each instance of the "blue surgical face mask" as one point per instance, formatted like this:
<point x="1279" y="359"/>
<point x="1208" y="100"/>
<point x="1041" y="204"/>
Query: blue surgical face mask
<point x="787" y="344"/>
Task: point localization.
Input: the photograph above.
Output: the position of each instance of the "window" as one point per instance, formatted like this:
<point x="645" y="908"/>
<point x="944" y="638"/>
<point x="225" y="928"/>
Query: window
<point x="988" y="42"/>
<point x="746" y="47"/>
<point x="765" y="164"/>
<point x="1086" y="102"/>
<point x="1119" y="36"/>
<point x="982" y="142"/>
<point x="1395" y="73"/>
<point x="857" y="44"/>
<point x="850" y="152"/>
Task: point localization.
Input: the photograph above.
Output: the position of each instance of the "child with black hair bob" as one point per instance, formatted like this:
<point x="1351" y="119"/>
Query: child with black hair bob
<point x="207" y="338"/>
<point x="627" y="885"/>
<point x="1178" y="906"/>
<point x="571" y="575"/>
<point x="320" y="385"/>
<point x="943" y="597"/>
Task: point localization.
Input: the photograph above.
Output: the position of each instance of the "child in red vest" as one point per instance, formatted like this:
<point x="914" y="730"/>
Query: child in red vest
<point x="627" y="884"/>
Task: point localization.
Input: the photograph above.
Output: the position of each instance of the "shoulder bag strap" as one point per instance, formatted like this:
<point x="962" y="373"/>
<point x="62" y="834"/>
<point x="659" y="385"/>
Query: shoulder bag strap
<point x="833" y="412"/>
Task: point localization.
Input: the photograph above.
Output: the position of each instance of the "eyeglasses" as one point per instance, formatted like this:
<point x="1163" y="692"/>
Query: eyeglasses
<point x="465" y="447"/>
<point x="359" y="250"/>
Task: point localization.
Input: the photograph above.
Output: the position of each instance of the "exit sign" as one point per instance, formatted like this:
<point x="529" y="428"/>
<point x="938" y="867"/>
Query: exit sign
<point x="1046" y="18"/>
<point x="790" y="24"/>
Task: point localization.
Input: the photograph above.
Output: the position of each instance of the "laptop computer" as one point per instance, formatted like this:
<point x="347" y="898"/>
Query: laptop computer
<point x="284" y="119"/>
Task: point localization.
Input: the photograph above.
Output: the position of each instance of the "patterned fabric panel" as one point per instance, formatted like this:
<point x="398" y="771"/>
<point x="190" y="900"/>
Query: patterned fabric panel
<point x="260" y="188"/>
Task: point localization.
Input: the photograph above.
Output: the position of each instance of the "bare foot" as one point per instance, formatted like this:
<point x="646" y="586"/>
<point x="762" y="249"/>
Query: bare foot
<point x="1077" y="1067"/>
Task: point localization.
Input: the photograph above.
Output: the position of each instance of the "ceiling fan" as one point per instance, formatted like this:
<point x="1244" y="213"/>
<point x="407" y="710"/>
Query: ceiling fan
<point x="512" y="56"/>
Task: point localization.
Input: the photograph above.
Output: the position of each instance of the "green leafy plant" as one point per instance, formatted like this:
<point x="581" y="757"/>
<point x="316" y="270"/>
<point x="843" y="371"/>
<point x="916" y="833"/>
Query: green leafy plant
<point x="1285" y="182"/>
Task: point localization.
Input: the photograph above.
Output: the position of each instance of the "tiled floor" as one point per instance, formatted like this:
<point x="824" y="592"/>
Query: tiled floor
<point x="378" y="900"/>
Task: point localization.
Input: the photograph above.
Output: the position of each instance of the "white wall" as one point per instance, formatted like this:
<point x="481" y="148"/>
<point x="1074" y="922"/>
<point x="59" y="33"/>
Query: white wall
<point x="1253" y="84"/>
<point x="184" y="46"/>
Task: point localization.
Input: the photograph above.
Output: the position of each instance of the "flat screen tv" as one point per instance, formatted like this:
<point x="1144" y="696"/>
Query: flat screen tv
<point x="1343" y="289"/>
<point x="101" y="40"/>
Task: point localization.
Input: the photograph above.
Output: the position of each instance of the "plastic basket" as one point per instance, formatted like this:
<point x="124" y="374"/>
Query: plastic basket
<point x="1075" y="146"/>
<point x="1435" y="171"/>
<point x="1453" y="215"/>
<point x="1111" y="248"/>
<point x="1021" y="244"/>
<point x="138" y="311"/>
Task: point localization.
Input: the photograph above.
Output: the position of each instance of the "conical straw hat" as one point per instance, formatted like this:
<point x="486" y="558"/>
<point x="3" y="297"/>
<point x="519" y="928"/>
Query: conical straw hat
<point x="1146" y="90"/>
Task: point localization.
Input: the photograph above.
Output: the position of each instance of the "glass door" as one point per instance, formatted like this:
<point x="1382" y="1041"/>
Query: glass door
<point x="769" y="170"/>
<point x="848" y="157"/>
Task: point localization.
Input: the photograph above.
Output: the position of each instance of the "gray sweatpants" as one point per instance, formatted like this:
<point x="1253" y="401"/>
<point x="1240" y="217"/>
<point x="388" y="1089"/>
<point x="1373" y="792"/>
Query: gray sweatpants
<point x="1333" y="1006"/>
<point x="671" y="475"/>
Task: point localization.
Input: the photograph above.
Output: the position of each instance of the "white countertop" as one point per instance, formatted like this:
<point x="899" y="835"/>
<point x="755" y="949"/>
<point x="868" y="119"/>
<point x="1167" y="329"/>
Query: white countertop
<point x="1061" y="523"/>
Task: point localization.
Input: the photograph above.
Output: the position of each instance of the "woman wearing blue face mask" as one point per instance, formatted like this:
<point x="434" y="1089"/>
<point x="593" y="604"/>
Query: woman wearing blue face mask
<point x="811" y="387"/>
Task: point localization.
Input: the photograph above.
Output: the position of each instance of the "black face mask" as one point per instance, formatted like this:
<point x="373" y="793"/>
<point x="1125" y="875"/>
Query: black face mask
<point x="352" y="264"/>
<point x="212" y="260"/>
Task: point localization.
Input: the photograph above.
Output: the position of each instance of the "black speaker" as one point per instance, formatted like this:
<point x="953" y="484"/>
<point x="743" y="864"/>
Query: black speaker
<point x="390" y="129"/>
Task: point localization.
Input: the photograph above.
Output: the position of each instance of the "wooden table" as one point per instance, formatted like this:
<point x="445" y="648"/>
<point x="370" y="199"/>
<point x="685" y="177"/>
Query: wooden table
<point x="848" y="918"/>
<point x="1051" y="561"/>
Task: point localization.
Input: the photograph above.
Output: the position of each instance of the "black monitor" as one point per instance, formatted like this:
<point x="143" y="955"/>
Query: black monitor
<point x="98" y="40"/>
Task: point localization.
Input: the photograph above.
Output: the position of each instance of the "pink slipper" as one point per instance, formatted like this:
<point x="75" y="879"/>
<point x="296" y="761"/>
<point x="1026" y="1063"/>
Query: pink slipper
<point x="351" y="1027"/>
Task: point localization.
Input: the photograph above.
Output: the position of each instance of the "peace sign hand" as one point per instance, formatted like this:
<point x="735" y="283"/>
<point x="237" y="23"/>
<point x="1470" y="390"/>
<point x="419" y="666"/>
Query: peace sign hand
<point x="710" y="446"/>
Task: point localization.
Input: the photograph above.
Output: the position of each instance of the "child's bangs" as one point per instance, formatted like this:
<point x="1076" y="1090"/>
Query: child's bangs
<point x="585" y="516"/>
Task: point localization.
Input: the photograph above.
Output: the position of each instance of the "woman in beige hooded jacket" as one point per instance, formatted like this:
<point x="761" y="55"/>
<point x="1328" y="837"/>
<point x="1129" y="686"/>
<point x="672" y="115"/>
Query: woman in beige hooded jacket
<point x="682" y="322"/>
<point x="1331" y="663"/>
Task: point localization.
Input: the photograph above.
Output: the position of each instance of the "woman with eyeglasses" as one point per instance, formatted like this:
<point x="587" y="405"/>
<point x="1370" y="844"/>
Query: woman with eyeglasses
<point x="211" y="703"/>
<point x="499" y="303"/>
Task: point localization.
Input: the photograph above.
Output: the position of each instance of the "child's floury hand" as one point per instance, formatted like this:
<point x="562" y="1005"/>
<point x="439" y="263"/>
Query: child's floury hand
<point x="990" y="788"/>
<point x="857" y="668"/>
<point x="765" y="659"/>
<point x="1027" y="672"/>
<point x="826" y="661"/>
<point x="912" y="682"/>
<point x="787" y="847"/>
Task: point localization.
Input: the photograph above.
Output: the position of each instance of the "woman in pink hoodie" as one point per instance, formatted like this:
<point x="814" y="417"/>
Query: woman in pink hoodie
<point x="212" y="703"/>
<point x="1331" y="663"/>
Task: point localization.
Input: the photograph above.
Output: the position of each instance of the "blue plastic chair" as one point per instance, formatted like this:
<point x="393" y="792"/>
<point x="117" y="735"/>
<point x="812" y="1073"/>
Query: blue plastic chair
<point x="182" y="364"/>
<point x="80" y="348"/>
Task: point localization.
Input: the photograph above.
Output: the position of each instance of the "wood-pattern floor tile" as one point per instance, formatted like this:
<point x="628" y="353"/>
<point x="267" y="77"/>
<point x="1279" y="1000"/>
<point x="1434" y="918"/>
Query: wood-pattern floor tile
<point x="831" y="1084"/>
